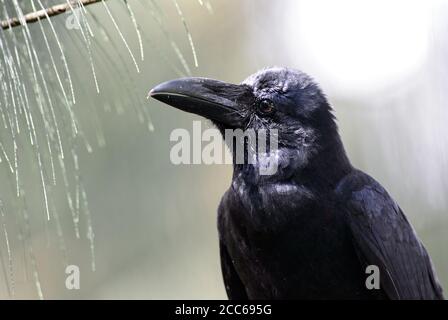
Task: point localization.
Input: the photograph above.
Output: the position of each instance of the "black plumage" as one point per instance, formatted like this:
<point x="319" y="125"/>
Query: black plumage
<point x="309" y="230"/>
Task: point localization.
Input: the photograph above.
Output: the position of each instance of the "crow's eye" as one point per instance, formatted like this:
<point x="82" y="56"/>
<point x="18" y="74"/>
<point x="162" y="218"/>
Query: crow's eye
<point x="266" y="107"/>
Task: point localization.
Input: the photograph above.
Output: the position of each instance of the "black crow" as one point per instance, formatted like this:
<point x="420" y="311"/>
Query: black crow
<point x="311" y="229"/>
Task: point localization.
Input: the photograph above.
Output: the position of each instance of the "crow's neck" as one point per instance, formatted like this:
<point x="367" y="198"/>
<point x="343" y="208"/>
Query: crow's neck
<point x="327" y="167"/>
<point x="320" y="166"/>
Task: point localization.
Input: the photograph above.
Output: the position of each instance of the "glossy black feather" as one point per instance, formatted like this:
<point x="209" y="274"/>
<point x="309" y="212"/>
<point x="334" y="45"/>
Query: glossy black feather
<point x="383" y="236"/>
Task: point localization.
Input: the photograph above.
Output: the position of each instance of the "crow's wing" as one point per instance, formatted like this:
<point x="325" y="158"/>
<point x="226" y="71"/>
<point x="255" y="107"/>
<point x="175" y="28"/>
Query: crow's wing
<point x="383" y="237"/>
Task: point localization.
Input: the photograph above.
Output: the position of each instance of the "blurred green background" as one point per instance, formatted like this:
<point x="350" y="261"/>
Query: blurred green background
<point x="382" y="66"/>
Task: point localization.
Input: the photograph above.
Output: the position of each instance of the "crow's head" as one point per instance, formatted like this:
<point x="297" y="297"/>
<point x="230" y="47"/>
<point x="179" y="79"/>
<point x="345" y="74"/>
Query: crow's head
<point x="284" y="99"/>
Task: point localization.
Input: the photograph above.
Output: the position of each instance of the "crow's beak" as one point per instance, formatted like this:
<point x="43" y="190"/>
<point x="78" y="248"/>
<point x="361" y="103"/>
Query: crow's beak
<point x="212" y="99"/>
